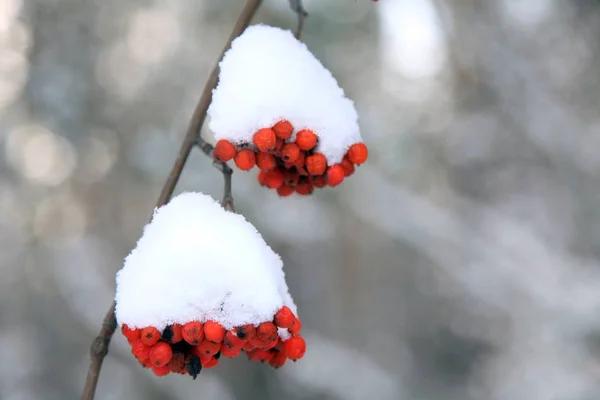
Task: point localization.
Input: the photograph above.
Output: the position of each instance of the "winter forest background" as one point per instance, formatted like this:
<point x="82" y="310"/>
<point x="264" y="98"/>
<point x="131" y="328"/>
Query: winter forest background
<point x="462" y="262"/>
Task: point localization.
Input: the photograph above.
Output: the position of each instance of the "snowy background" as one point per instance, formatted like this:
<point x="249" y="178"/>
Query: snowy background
<point x="462" y="262"/>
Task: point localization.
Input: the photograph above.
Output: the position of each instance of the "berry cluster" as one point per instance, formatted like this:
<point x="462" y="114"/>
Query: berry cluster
<point x="187" y="349"/>
<point x="290" y="166"/>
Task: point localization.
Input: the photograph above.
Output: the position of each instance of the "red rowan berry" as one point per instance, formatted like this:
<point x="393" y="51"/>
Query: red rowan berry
<point x="214" y="331"/>
<point x="172" y="334"/>
<point x="316" y="164"/>
<point x="306" y="139"/>
<point x="265" y="161"/>
<point x="319" y="181"/>
<point x="206" y="348"/>
<point x="267" y="331"/>
<point x="245" y="159"/>
<point x="150" y="336"/>
<point x="274" y="179"/>
<point x="160" y="354"/>
<point x="260" y="355"/>
<point x="209" y="362"/>
<point x="358" y="153"/>
<point x="270" y="345"/>
<point x="295" y="348"/>
<point x="296" y="327"/>
<point x="248" y="346"/>
<point x="348" y="167"/>
<point x="284" y="318"/>
<point x="264" y="139"/>
<point x="291" y="178"/>
<point x="193" y="332"/>
<point x="230" y="352"/>
<point x="232" y="341"/>
<point x="301" y="171"/>
<point x="300" y="161"/>
<point x="246" y="332"/>
<point x="304" y="189"/>
<point x="261" y="178"/>
<point x="145" y="363"/>
<point x="161" y="371"/>
<point x="288" y="165"/>
<point x="335" y="175"/>
<point x="279" y="358"/>
<point x="278" y="146"/>
<point x="139" y="350"/>
<point x="224" y="150"/>
<point x="285" y="190"/>
<point x="177" y="363"/>
<point x="290" y="152"/>
<point x="130" y="334"/>
<point x="283" y="129"/>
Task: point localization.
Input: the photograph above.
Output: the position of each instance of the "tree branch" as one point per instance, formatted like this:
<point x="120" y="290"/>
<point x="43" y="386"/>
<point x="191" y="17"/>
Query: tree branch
<point x="298" y="8"/>
<point x="99" y="347"/>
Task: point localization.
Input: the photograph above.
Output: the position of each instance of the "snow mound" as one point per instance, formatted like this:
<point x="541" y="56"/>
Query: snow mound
<point x="196" y="261"/>
<point x="268" y="75"/>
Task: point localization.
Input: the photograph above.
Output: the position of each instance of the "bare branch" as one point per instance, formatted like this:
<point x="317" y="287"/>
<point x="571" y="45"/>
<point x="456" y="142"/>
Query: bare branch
<point x="298" y="8"/>
<point x="101" y="343"/>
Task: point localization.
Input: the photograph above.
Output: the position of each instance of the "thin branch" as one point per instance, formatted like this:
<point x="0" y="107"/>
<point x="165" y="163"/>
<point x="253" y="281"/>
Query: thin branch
<point x="99" y="348"/>
<point x="298" y="8"/>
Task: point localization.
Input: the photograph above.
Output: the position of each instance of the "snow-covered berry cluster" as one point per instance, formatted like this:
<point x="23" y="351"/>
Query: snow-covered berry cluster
<point x="290" y="165"/>
<point x="217" y="290"/>
<point x="187" y="349"/>
<point x="278" y="108"/>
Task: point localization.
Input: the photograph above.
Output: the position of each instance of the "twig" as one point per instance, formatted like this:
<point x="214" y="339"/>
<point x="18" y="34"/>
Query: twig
<point x="298" y="8"/>
<point x="99" y="347"/>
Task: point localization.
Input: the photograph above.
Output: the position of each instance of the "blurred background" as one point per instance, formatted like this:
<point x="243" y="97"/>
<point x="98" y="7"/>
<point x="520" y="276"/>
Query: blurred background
<point x="462" y="262"/>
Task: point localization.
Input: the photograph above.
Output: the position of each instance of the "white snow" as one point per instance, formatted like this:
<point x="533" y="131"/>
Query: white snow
<point x="195" y="262"/>
<point x="268" y="75"/>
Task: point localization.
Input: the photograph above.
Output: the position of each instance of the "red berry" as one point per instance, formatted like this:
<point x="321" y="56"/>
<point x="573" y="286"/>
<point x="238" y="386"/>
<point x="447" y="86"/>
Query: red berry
<point x="140" y="351"/>
<point x="284" y="318"/>
<point x="283" y="129"/>
<point x="335" y="175"/>
<point x="306" y="139"/>
<point x="245" y="159"/>
<point x="296" y="327"/>
<point x="177" y="363"/>
<point x="316" y="164"/>
<point x="224" y="150"/>
<point x="358" y="153"/>
<point x="274" y="179"/>
<point x="319" y="181"/>
<point x="304" y="189"/>
<point x="245" y="332"/>
<point x="267" y="331"/>
<point x="214" y="331"/>
<point x="295" y="348"/>
<point x="265" y="161"/>
<point x="285" y="190"/>
<point x="261" y="178"/>
<point x="150" y="336"/>
<point x="209" y="362"/>
<point x="206" y="348"/>
<point x="265" y="139"/>
<point x="291" y="177"/>
<point x="348" y="167"/>
<point x="279" y="358"/>
<point x="193" y="332"/>
<point x="232" y="341"/>
<point x="290" y="152"/>
<point x="130" y="334"/>
<point x="172" y="334"/>
<point x="161" y="371"/>
<point x="160" y="354"/>
<point x="230" y="352"/>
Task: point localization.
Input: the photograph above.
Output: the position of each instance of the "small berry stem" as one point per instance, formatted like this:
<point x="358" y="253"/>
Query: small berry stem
<point x="298" y="8"/>
<point x="99" y="347"/>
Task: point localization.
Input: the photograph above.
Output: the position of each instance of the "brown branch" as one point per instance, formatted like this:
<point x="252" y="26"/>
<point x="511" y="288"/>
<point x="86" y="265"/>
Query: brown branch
<point x="298" y="8"/>
<point x="99" y="347"/>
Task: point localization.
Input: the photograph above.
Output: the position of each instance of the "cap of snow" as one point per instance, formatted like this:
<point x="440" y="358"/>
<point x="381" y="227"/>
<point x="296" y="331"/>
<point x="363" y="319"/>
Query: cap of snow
<point x="196" y="261"/>
<point x="268" y="75"/>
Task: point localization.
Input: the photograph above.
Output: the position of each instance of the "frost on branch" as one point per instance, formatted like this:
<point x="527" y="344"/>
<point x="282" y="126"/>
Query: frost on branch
<point x="200" y="284"/>
<point x="278" y="108"/>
